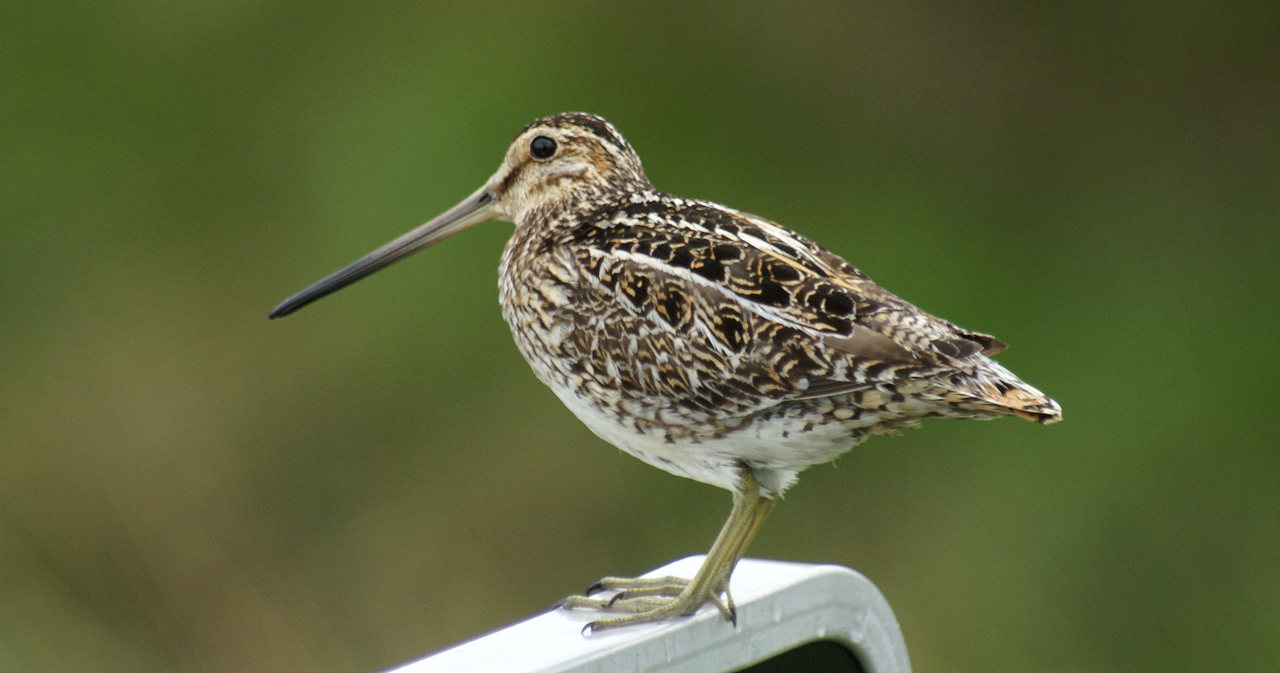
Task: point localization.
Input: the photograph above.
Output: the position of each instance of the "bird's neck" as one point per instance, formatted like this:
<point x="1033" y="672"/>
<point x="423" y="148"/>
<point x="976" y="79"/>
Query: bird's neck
<point x="571" y="207"/>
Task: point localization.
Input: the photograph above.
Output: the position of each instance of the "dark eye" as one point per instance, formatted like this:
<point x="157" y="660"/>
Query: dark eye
<point x="542" y="147"/>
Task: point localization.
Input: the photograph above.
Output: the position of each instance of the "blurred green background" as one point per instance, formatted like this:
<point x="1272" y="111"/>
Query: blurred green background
<point x="185" y="486"/>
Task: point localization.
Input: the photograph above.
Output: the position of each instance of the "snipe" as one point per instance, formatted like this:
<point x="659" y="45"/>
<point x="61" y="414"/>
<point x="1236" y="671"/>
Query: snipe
<point x="708" y="342"/>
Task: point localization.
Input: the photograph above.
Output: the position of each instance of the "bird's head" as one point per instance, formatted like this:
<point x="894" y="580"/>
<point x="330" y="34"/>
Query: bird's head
<point x="561" y="159"/>
<point x="553" y="163"/>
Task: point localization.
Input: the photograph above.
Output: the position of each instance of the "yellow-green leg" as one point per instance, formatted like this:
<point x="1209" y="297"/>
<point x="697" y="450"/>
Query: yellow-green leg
<point x="658" y="598"/>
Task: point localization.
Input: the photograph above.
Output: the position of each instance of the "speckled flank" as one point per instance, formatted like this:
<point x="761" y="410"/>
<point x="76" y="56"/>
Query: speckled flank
<point x="702" y="339"/>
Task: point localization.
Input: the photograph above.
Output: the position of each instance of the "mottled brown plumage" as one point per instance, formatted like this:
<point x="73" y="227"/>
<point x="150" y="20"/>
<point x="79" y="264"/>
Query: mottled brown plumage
<point x="712" y="343"/>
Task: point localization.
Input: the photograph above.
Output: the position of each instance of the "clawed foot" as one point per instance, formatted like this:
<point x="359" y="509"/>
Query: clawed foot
<point x="648" y="599"/>
<point x="652" y="599"/>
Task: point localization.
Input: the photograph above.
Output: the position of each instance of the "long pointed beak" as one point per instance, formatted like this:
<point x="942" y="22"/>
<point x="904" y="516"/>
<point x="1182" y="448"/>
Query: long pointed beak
<point x="474" y="209"/>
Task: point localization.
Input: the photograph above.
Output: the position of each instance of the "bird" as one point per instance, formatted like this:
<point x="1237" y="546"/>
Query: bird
<point x="706" y="341"/>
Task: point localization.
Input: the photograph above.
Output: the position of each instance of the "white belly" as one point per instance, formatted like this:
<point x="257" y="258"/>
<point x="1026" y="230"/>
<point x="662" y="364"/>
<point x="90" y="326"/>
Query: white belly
<point x="776" y="449"/>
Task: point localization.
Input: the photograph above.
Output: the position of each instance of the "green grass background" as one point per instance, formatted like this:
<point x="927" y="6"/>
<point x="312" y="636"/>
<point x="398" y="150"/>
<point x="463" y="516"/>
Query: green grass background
<point x="185" y="486"/>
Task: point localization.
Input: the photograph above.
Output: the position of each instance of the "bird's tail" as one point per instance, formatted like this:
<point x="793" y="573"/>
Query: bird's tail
<point x="997" y="386"/>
